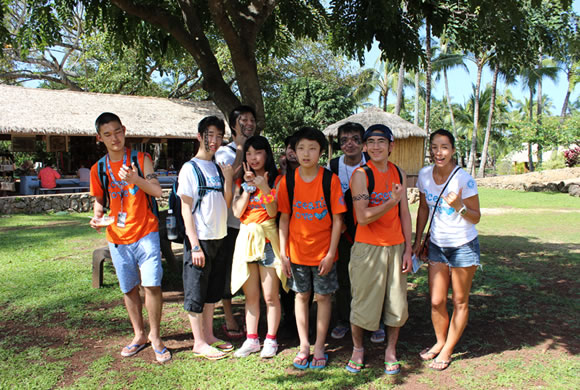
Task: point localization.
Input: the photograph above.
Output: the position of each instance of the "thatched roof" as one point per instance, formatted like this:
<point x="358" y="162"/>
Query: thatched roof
<point x="373" y="115"/>
<point x="52" y="112"/>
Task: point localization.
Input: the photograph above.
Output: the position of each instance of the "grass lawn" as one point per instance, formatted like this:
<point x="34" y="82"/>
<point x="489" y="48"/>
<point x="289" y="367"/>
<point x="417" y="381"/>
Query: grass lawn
<point x="56" y="331"/>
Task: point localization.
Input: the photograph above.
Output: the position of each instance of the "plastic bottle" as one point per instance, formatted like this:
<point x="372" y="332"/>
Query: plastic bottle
<point x="171" y="224"/>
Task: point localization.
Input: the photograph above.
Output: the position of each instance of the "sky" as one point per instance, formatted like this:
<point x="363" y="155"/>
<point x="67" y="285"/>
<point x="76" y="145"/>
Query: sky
<point x="460" y="82"/>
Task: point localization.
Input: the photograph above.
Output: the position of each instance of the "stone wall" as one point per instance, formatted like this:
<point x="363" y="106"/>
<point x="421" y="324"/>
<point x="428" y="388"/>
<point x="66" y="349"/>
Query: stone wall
<point x="83" y="202"/>
<point x="37" y="204"/>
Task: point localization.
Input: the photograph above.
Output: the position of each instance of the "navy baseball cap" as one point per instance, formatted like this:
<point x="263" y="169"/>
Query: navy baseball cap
<point x="379" y="130"/>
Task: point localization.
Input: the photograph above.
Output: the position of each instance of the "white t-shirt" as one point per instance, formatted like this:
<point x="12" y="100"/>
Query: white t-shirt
<point x="211" y="215"/>
<point x="225" y="155"/>
<point x="345" y="171"/>
<point x="449" y="229"/>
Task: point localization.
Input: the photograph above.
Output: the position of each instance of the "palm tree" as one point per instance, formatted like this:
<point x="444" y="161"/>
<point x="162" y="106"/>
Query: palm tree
<point x="365" y="83"/>
<point x="387" y="81"/>
<point x="530" y="77"/>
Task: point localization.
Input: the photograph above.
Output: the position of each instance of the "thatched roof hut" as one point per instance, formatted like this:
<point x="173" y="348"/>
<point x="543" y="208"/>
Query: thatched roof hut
<point x="36" y="111"/>
<point x="408" y="152"/>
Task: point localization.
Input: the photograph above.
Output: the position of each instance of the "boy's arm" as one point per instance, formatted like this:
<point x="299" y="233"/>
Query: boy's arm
<point x="284" y="225"/>
<point x="197" y="257"/>
<point x="327" y="262"/>
<point x="98" y="211"/>
<point x="360" y="199"/>
<point x="149" y="183"/>
<point x="406" y="226"/>
<point x="228" y="172"/>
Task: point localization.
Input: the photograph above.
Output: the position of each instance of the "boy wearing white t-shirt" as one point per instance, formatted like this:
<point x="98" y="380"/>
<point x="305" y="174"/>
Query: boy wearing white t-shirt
<point x="205" y="220"/>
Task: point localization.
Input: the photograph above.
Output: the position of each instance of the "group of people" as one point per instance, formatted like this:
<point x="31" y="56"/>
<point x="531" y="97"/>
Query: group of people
<point x="345" y="230"/>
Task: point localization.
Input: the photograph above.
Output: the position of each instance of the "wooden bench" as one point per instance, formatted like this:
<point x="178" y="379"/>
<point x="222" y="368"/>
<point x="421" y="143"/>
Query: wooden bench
<point x="102" y="254"/>
<point x="43" y="190"/>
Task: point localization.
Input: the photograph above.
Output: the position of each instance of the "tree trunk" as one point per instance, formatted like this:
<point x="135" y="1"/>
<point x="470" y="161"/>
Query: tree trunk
<point x="416" y="118"/>
<point x="473" y="151"/>
<point x="428" y="77"/>
<point x="453" y="129"/>
<point x="530" y="152"/>
<point x="539" y="112"/>
<point x="400" y="82"/>
<point x="385" y="99"/>
<point x="481" y="172"/>
<point x="567" y="97"/>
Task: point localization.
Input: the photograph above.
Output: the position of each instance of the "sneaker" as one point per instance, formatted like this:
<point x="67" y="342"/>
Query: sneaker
<point x="270" y="348"/>
<point x="249" y="346"/>
<point x="339" y="332"/>
<point x="378" y="336"/>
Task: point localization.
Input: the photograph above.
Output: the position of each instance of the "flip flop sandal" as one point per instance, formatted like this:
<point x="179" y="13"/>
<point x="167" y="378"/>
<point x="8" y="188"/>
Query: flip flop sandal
<point x="425" y="355"/>
<point x="138" y="348"/>
<point x="210" y="353"/>
<point x="357" y="366"/>
<point x="444" y="366"/>
<point x="320" y="366"/>
<point x="233" y="334"/>
<point x="223" y="346"/>
<point x="391" y="364"/>
<point x="298" y="360"/>
<point x="162" y="356"/>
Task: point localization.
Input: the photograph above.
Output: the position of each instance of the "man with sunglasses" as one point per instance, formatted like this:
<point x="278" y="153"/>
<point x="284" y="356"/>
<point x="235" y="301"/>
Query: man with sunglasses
<point x="350" y="138"/>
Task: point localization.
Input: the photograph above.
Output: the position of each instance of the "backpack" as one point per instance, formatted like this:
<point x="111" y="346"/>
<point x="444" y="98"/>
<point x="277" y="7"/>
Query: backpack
<point x="104" y="179"/>
<point x="349" y="215"/>
<point x="202" y="190"/>
<point x="326" y="183"/>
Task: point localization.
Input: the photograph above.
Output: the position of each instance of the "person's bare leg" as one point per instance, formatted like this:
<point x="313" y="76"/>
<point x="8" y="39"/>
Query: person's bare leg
<point x="196" y="321"/>
<point x="391" y="350"/>
<point x="271" y="287"/>
<point x="301" y="307"/>
<point x="134" y="308"/>
<point x="323" y="304"/>
<point x="252" y="293"/>
<point x="438" y="288"/>
<point x="208" y="311"/>
<point x="231" y="323"/>
<point x="461" y="279"/>
<point x="358" y="350"/>
<point x="154" y="305"/>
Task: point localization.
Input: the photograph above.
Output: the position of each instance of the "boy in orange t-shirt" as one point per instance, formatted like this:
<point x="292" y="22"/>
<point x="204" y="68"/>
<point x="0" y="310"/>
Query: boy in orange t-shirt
<point x="381" y="254"/>
<point x="133" y="235"/>
<point x="309" y="237"/>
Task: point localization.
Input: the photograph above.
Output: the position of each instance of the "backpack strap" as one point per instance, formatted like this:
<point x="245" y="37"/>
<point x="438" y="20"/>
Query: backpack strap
<point x="202" y="187"/>
<point x="370" y="178"/>
<point x="231" y="148"/>
<point x="151" y="202"/>
<point x="326" y="185"/>
<point x="334" y="165"/>
<point x="104" y="179"/>
<point x="290" y="184"/>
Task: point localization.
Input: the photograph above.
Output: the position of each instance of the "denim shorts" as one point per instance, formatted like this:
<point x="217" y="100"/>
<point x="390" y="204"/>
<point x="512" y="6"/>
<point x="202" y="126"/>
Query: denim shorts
<point x="466" y="255"/>
<point x="269" y="257"/>
<point x="138" y="263"/>
<point x="304" y="277"/>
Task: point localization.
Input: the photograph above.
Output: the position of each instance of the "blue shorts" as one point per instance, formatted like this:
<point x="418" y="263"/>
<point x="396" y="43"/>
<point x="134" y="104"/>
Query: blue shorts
<point x="269" y="257"/>
<point x="138" y="263"/>
<point x="466" y="255"/>
<point x="305" y="277"/>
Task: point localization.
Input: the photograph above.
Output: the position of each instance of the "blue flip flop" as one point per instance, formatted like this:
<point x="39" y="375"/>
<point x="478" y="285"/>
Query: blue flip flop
<point x="162" y="356"/>
<point x="359" y="367"/>
<point x="325" y="359"/>
<point x="392" y="372"/>
<point x="138" y="348"/>
<point x="298" y="365"/>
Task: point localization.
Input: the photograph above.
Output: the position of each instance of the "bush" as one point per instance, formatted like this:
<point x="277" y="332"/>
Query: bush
<point x="557" y="161"/>
<point x="572" y="156"/>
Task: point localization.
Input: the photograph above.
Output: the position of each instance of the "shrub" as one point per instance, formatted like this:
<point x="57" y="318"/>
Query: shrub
<point x="572" y="156"/>
<point x="557" y="161"/>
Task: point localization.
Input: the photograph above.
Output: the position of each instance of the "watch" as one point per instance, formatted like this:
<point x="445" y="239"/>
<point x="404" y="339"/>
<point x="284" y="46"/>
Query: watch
<point x="196" y="248"/>
<point x="463" y="210"/>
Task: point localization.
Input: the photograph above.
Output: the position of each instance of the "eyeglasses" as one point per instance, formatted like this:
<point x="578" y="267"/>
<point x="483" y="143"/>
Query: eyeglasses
<point x="345" y="140"/>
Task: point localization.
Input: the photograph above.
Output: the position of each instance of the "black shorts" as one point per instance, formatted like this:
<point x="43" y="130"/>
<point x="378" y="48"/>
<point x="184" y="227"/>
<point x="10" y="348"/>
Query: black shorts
<point x="229" y="244"/>
<point x="205" y="284"/>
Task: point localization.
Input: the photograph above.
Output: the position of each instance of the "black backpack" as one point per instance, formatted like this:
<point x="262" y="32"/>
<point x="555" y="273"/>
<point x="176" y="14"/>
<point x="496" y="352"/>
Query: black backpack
<point x="202" y="190"/>
<point x="104" y="179"/>
<point x="349" y="215"/>
<point x="326" y="184"/>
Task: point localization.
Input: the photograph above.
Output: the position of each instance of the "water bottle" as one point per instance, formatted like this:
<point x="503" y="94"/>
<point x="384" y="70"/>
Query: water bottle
<point x="171" y="224"/>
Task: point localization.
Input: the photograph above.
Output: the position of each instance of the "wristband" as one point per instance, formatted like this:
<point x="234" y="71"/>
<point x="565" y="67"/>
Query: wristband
<point x="462" y="210"/>
<point x="266" y="199"/>
<point x="248" y="188"/>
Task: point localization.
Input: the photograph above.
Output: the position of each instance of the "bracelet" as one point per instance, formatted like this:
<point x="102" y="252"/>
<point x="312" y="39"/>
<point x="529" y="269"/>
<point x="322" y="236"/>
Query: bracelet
<point x="462" y="211"/>
<point x="248" y="188"/>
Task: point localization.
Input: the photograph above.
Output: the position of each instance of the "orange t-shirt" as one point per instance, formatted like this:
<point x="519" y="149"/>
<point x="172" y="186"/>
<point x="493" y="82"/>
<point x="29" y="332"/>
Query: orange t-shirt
<point x="387" y="230"/>
<point x="310" y="225"/>
<point x="256" y="209"/>
<point x="140" y="219"/>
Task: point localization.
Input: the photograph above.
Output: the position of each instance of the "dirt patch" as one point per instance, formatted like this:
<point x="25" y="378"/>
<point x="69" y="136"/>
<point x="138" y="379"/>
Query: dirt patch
<point x="517" y="182"/>
<point x="60" y="224"/>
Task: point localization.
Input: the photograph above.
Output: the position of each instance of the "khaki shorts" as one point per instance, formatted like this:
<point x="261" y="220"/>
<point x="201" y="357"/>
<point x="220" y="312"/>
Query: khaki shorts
<point x="377" y="286"/>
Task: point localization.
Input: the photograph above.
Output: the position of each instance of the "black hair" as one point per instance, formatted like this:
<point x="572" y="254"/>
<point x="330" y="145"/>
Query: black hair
<point x="261" y="143"/>
<point x="105" y="118"/>
<point x="288" y="141"/>
<point x="351" y="127"/>
<point x="445" y="133"/>
<point x="208" y="121"/>
<point x="311" y="134"/>
<point x="236" y="112"/>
